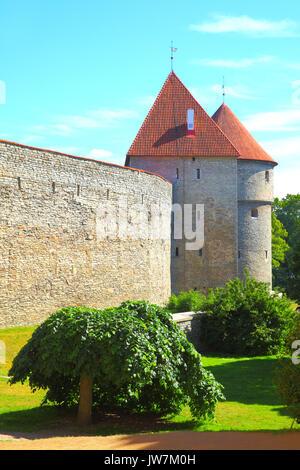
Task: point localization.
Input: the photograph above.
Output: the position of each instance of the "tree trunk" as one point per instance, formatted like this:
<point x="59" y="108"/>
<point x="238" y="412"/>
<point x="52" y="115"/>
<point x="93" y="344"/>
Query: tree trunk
<point x="84" y="416"/>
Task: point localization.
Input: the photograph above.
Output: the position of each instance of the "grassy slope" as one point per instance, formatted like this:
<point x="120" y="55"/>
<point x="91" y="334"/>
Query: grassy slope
<point x="251" y="404"/>
<point x="14" y="339"/>
<point x="251" y="400"/>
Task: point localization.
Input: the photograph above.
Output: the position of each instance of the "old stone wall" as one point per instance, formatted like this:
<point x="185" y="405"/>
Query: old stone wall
<point x="57" y="247"/>
<point x="190" y="324"/>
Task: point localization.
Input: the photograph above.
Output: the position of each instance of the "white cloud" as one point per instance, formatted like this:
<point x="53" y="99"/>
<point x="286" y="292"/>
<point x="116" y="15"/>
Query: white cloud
<point x="100" y="153"/>
<point x="286" y="120"/>
<point x="147" y="101"/>
<point x="235" y="92"/>
<point x="246" y="25"/>
<point x="211" y="95"/>
<point x="28" y="139"/>
<point x="68" y="125"/>
<point x="106" y="116"/>
<point x="97" y="118"/>
<point x="52" y="129"/>
<point x="286" y="181"/>
<point x="286" y="148"/>
<point x="235" y="64"/>
<point x="202" y="95"/>
<point x="67" y="150"/>
<point x="77" y="122"/>
<point x="286" y="152"/>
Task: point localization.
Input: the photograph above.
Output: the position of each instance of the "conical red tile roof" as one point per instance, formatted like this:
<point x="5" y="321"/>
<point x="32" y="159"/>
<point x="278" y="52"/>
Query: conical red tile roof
<point x="164" y="131"/>
<point x="237" y="133"/>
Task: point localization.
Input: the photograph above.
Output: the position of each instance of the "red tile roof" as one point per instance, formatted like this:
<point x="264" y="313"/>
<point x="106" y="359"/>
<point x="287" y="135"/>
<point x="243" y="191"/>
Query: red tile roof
<point x="236" y="132"/>
<point x="164" y="131"/>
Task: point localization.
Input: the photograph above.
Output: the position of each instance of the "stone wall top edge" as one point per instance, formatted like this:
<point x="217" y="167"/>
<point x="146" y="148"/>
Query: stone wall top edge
<point x="87" y="159"/>
<point x="185" y="316"/>
<point x="262" y="201"/>
<point x="253" y="160"/>
<point x="183" y="156"/>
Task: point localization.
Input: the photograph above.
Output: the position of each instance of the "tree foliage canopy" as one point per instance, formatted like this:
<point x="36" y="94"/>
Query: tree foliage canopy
<point x="136" y="354"/>
<point x="245" y="318"/>
<point x="287" y="274"/>
<point x="279" y="244"/>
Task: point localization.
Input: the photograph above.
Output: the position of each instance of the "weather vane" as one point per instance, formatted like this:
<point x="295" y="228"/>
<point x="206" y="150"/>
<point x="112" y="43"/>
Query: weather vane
<point x="173" y="49"/>
<point x="223" y="86"/>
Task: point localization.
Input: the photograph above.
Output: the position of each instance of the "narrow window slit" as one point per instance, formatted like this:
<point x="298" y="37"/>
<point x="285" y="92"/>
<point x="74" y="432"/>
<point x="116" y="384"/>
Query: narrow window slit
<point x="267" y="176"/>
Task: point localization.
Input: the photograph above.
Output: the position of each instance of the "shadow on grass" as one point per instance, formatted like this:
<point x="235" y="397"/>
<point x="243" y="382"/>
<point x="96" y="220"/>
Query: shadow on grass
<point x="248" y="381"/>
<point x="55" y="422"/>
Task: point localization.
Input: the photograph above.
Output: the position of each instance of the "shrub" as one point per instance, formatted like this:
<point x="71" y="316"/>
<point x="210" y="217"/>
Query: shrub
<point x="133" y="356"/>
<point x="190" y="301"/>
<point x="246" y="319"/>
<point x="287" y="376"/>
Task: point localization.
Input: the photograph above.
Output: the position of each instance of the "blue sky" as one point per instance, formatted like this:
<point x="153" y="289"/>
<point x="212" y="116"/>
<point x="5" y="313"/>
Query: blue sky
<point x="80" y="77"/>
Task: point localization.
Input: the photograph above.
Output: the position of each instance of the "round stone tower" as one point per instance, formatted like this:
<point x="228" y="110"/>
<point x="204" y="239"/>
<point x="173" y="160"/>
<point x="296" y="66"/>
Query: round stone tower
<point x="254" y="198"/>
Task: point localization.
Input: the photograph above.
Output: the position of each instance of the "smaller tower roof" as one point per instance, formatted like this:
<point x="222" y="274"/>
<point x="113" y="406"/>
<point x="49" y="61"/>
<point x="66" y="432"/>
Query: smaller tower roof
<point x="239" y="136"/>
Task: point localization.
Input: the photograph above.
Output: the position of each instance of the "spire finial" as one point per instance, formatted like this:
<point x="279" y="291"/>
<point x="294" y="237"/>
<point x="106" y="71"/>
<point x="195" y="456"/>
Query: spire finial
<point x="223" y="86"/>
<point x="173" y="49"/>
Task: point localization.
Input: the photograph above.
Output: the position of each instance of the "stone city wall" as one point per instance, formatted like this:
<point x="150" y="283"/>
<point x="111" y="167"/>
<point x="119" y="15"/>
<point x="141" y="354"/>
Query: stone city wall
<point x="51" y="253"/>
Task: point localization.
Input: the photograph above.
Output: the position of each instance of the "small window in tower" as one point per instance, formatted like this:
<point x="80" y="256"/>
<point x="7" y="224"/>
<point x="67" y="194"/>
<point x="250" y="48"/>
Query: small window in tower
<point x="198" y="173"/>
<point x="266" y="254"/>
<point x="267" y="176"/>
<point x="177" y="173"/>
<point x="200" y="252"/>
<point x="254" y="213"/>
<point x="239" y="254"/>
<point x="177" y="251"/>
<point x="53" y="188"/>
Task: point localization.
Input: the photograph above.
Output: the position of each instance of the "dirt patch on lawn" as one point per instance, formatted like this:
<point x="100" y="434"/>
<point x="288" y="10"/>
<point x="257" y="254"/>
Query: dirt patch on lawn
<point x="180" y="440"/>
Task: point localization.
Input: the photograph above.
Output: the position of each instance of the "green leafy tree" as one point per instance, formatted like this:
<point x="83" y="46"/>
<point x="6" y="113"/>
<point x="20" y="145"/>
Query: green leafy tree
<point x="279" y="244"/>
<point x="245" y="318"/>
<point x="287" y="374"/>
<point x="133" y="356"/>
<point x="190" y="301"/>
<point x="286" y="276"/>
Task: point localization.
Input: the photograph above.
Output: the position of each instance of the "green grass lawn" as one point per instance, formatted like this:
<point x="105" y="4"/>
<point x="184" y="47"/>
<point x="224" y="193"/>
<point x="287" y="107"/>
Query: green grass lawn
<point x="251" y="402"/>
